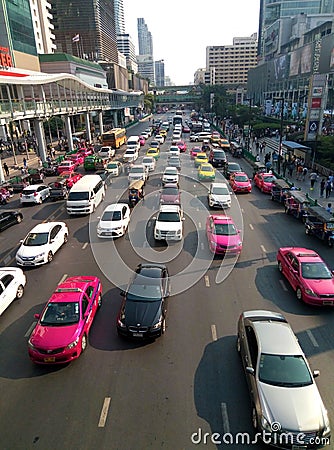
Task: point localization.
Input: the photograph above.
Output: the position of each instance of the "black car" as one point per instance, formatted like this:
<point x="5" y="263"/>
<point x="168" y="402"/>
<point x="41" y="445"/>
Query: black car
<point x="9" y="218"/>
<point x="217" y="158"/>
<point x="231" y="167"/>
<point x="143" y="310"/>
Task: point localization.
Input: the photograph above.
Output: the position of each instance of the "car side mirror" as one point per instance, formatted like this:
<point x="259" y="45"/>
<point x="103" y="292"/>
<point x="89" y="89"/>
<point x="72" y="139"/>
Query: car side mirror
<point x="316" y="373"/>
<point x="37" y="316"/>
<point x="250" y="370"/>
<point x="122" y="293"/>
<point x="154" y="218"/>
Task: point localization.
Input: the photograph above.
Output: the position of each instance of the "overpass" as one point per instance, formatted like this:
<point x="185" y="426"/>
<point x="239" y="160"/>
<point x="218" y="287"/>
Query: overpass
<point x="189" y="94"/>
<point x="39" y="96"/>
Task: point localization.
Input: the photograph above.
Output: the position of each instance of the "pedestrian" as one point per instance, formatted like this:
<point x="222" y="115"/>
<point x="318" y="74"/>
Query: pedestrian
<point x="40" y="163"/>
<point x="299" y="172"/>
<point x="6" y="169"/>
<point x="329" y="208"/>
<point x="322" y="187"/>
<point x="305" y="170"/>
<point x="313" y="178"/>
<point x="291" y="167"/>
<point x="24" y="163"/>
<point x="285" y="164"/>
<point x="257" y="159"/>
<point x="328" y="187"/>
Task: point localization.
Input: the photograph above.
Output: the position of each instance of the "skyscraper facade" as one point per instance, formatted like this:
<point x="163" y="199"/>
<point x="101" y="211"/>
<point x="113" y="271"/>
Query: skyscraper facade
<point x="145" y="58"/>
<point x="159" y="73"/>
<point x="119" y="16"/>
<point x="43" y="26"/>
<point x="86" y="29"/>
<point x="270" y="11"/>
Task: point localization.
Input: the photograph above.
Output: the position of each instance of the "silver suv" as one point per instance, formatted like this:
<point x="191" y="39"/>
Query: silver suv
<point x="286" y="405"/>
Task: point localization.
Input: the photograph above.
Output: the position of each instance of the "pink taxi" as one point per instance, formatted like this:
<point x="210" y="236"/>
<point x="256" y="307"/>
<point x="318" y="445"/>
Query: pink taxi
<point x="61" y="333"/>
<point x="223" y="235"/>
<point x="264" y="181"/>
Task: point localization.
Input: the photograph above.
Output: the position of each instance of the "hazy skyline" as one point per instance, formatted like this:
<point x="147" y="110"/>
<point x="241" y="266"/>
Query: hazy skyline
<point x="181" y="30"/>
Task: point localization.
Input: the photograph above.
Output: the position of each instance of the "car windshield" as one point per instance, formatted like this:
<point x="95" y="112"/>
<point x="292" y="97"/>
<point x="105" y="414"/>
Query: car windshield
<point x="269" y="178"/>
<point x="129" y="152"/>
<point x="154" y="144"/>
<point x="147" y="161"/>
<point x="137" y="170"/>
<point x="201" y="156"/>
<point x="220" y="191"/>
<point x="76" y="196"/>
<point x="61" y="313"/>
<point x="206" y="169"/>
<point x="34" y="239"/>
<point x="170" y="172"/>
<point x="315" y="271"/>
<point x="234" y="167"/>
<point x="284" y="370"/>
<point x="111" y="215"/>
<point x="28" y="192"/>
<point x="169" y="217"/>
<point x="170" y="191"/>
<point x="220" y="155"/>
<point x="241" y="178"/>
<point x="225" y="229"/>
<point x="112" y="166"/>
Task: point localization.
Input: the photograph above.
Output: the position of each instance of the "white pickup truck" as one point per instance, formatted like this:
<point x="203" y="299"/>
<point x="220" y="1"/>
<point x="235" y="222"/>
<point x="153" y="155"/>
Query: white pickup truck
<point x="169" y="223"/>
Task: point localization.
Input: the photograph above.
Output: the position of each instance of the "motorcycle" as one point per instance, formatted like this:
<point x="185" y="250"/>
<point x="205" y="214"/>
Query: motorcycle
<point x="4" y="196"/>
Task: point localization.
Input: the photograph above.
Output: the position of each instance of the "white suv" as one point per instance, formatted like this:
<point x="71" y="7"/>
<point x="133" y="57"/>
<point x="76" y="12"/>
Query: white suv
<point x="219" y="196"/>
<point x="138" y="172"/>
<point x="106" y="152"/>
<point x="170" y="175"/>
<point x="169" y="223"/>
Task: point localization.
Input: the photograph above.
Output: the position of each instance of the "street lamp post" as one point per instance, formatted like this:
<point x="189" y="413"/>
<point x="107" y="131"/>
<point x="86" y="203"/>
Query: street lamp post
<point x="249" y="123"/>
<point x="280" y="139"/>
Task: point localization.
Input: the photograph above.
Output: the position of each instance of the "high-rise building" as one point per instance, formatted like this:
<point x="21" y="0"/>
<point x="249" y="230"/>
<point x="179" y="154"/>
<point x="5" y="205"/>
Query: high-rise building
<point x="159" y="73"/>
<point x="127" y="48"/>
<point x="17" y="34"/>
<point x="271" y="11"/>
<point x="119" y="16"/>
<point x="229" y="64"/>
<point x="43" y="26"/>
<point x="145" y="58"/>
<point x="86" y="29"/>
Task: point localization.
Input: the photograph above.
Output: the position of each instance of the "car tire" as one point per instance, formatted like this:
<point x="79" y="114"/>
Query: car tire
<point x="50" y="257"/>
<point x="99" y="301"/>
<point x="254" y="418"/>
<point x="83" y="343"/>
<point x="19" y="218"/>
<point x="330" y="243"/>
<point x="280" y="267"/>
<point x="40" y="201"/>
<point x="19" y="292"/>
<point x="307" y="231"/>
<point x="299" y="294"/>
<point x="65" y="238"/>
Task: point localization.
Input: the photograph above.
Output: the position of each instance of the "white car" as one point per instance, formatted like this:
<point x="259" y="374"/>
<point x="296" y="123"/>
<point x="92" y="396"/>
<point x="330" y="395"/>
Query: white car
<point x="114" y="221"/>
<point x="176" y="135"/>
<point x="40" y="245"/>
<point x="114" y="168"/>
<point x="170" y="175"/>
<point x="148" y="131"/>
<point x="219" y="196"/>
<point x="106" y="152"/>
<point x="159" y="138"/>
<point x="12" y="282"/>
<point x="145" y="135"/>
<point x="200" y="136"/>
<point x="169" y="223"/>
<point x="36" y="193"/>
<point x="138" y="172"/>
<point x="149" y="162"/>
<point x="130" y="155"/>
<point x="174" y="151"/>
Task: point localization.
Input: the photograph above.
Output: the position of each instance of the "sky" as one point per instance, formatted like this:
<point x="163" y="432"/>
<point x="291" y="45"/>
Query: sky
<point x="182" y="29"/>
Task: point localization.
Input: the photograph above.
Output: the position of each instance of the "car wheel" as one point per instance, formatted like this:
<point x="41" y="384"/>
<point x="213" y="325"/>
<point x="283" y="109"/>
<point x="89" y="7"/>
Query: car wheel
<point x="307" y="231"/>
<point x="330" y="243"/>
<point x="65" y="238"/>
<point x="83" y="343"/>
<point x="299" y="294"/>
<point x="99" y="301"/>
<point x="254" y="418"/>
<point x="40" y="201"/>
<point x="18" y="219"/>
<point x="20" y="292"/>
<point x="280" y="267"/>
<point x="50" y="257"/>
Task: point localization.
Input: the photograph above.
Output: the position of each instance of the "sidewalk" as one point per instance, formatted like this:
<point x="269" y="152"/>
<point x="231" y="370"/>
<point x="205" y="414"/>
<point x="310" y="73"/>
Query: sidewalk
<point x="15" y="170"/>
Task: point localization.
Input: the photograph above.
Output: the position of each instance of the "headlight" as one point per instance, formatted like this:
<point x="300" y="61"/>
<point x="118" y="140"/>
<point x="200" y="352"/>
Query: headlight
<point x="327" y="429"/>
<point x="40" y="255"/>
<point x="265" y="424"/>
<point x="213" y="243"/>
<point x="310" y="292"/>
<point x="240" y="244"/>
<point x="179" y="232"/>
<point x="31" y="345"/>
<point x="73" y="344"/>
<point x="120" y="323"/>
<point x="157" y="325"/>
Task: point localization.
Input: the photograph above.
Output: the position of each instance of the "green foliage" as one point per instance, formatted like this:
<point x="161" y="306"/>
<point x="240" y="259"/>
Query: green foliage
<point x="325" y="151"/>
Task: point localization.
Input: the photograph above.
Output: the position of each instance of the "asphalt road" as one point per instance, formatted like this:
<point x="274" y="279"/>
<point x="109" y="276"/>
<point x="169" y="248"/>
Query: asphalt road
<point x="122" y="395"/>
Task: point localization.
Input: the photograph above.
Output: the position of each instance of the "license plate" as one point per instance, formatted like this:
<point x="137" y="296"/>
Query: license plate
<point x="50" y="359"/>
<point x="327" y="303"/>
<point x="28" y="264"/>
<point x="108" y="233"/>
<point x="137" y="334"/>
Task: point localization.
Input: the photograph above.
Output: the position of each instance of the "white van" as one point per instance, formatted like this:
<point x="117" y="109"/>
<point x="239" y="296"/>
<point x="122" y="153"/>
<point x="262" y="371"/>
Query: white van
<point x="85" y="195"/>
<point x="133" y="142"/>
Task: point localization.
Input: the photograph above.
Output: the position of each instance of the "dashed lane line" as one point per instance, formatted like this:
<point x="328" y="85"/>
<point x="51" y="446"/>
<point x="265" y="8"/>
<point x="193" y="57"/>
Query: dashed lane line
<point x="283" y="285"/>
<point x="63" y="278"/>
<point x="263" y="248"/>
<point x="214" y="332"/>
<point x="84" y="246"/>
<point x="226" y="422"/>
<point x="312" y="338"/>
<point x="104" y="412"/>
<point x="207" y="281"/>
<point x="251" y="226"/>
<point x="32" y="326"/>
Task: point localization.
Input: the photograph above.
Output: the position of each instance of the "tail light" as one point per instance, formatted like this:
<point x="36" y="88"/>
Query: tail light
<point x="35" y="194"/>
<point x="21" y="194"/>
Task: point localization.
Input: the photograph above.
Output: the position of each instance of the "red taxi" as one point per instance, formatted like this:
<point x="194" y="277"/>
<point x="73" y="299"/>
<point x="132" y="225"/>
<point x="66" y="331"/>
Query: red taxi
<point x="240" y="182"/>
<point x="70" y="178"/>
<point x="264" y="181"/>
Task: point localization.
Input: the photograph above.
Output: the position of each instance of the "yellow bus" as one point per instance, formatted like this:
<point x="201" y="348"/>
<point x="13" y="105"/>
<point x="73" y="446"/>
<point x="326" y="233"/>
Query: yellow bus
<point x="114" y="138"/>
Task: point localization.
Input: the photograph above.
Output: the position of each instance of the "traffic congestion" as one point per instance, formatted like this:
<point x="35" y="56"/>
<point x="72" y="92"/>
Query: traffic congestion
<point x="162" y="285"/>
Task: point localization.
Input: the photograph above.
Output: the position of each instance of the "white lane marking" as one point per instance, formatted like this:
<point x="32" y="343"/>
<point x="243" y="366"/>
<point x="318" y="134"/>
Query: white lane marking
<point x="104" y="412"/>
<point x="214" y="332"/>
<point x="207" y="281"/>
<point x="62" y="208"/>
<point x="283" y="285"/>
<point x="7" y="259"/>
<point x="63" y="278"/>
<point x="195" y="185"/>
<point x="84" y="246"/>
<point x="242" y="210"/>
<point x="149" y="224"/>
<point x="263" y="248"/>
<point x="202" y="246"/>
<point x="226" y="423"/>
<point x="52" y="218"/>
<point x="251" y="226"/>
<point x="199" y="225"/>
<point x="312" y="338"/>
<point x="32" y="326"/>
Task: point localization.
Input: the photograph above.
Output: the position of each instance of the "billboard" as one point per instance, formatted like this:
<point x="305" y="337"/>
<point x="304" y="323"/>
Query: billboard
<point x="326" y="60"/>
<point x="281" y="66"/>
<point x="294" y="63"/>
<point x="306" y="59"/>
